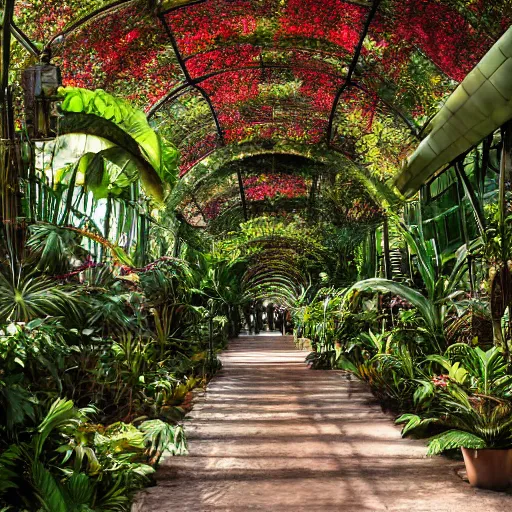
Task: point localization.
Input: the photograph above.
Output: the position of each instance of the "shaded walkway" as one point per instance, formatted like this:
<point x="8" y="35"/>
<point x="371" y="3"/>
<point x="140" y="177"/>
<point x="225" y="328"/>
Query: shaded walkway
<point x="272" y="435"/>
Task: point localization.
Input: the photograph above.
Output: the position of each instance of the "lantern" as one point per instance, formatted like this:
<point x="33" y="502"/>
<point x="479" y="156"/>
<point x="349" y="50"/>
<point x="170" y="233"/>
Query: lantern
<point x="40" y="85"/>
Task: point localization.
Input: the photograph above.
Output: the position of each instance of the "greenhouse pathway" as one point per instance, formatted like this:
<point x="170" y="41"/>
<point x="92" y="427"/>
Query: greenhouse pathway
<point x="271" y="435"/>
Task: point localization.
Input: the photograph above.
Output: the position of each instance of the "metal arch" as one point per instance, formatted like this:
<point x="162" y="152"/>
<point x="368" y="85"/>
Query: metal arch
<point x="360" y="3"/>
<point x="188" y="78"/>
<point x="174" y="44"/>
<point x="352" y="68"/>
<point x="242" y="191"/>
<point x="195" y="81"/>
<point x="25" y="41"/>
<point x="305" y="49"/>
<point x="171" y="96"/>
<point x="82" y="21"/>
<point x="315" y="153"/>
<point x="182" y="6"/>
<point x="208" y="100"/>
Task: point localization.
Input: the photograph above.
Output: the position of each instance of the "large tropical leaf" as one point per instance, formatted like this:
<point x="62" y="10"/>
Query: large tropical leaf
<point x="25" y="297"/>
<point x="47" y="489"/>
<point x="18" y="404"/>
<point x="421" y="303"/>
<point x="426" y="256"/>
<point x="489" y="368"/>
<point x="108" y="156"/>
<point x="9" y="462"/>
<point x="62" y="415"/>
<point x="54" y="247"/>
<point x="162" y="157"/>
<point x="79" y="492"/>
<point x="160" y="437"/>
<point x="413" y="422"/>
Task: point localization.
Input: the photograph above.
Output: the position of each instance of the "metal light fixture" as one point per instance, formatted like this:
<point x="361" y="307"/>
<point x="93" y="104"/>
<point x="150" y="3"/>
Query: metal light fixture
<point x="40" y="85"/>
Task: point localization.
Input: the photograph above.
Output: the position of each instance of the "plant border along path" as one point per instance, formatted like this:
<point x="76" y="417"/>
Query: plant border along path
<point x="272" y="435"/>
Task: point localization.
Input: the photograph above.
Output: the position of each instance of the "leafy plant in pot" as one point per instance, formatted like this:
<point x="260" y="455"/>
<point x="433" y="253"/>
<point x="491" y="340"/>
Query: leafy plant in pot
<point x="472" y="403"/>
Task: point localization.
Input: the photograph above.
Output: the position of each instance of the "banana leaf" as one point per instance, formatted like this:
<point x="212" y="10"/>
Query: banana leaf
<point x="162" y="156"/>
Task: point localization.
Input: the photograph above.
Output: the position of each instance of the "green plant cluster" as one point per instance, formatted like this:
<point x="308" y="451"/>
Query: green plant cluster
<point x="414" y="343"/>
<point x="97" y="366"/>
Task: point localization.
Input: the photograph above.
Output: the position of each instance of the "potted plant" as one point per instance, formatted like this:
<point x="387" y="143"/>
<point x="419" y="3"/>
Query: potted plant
<point x="472" y="404"/>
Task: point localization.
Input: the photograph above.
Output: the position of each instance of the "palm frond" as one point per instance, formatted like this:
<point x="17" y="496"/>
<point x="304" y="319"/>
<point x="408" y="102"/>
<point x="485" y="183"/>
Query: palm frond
<point x="452" y="439"/>
<point x="160" y="437"/>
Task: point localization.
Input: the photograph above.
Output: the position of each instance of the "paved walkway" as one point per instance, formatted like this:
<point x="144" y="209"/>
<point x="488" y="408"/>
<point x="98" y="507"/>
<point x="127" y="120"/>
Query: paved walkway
<point x="272" y="435"/>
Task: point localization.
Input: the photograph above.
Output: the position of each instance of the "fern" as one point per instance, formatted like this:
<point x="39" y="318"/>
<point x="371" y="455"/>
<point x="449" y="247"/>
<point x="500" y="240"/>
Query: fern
<point x="452" y="439"/>
<point x="79" y="492"/>
<point x="63" y="415"/>
<point x="424" y="391"/>
<point x="8" y="463"/>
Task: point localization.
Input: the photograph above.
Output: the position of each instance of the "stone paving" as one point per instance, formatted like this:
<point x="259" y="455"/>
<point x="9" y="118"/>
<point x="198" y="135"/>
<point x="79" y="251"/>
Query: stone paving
<point x="271" y="435"/>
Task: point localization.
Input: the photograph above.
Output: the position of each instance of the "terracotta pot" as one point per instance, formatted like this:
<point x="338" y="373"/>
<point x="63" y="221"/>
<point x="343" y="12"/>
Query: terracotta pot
<point x="488" y="468"/>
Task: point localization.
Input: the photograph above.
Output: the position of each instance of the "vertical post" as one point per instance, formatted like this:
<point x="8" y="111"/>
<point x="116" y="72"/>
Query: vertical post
<point x="385" y="247"/>
<point x="5" y="44"/>
<point x="177" y="240"/>
<point x="505" y="175"/>
<point x="372" y="254"/>
<point x="9" y="162"/>
<point x="106" y="223"/>
<point x="312" y="193"/>
<point x="471" y="196"/>
<point x="501" y="292"/>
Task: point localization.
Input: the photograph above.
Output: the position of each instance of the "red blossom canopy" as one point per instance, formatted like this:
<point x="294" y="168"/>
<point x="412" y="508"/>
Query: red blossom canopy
<point x="360" y="77"/>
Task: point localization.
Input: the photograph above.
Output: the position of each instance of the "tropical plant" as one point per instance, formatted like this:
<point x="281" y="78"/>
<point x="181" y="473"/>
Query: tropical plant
<point x="440" y="291"/>
<point x="472" y="402"/>
<point x="98" y="471"/>
<point x="112" y="144"/>
<point x="26" y="295"/>
<point x="55" y="248"/>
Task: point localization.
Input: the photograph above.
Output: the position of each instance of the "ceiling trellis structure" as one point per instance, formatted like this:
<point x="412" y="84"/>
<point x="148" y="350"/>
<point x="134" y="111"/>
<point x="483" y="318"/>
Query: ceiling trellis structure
<point x="353" y="76"/>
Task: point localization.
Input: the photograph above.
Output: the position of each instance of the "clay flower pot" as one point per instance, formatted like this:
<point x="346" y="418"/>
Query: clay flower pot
<point x="488" y="468"/>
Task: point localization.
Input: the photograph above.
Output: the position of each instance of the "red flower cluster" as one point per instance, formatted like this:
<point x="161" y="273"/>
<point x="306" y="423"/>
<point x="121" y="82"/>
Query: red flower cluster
<point x="334" y="21"/>
<point x="271" y="186"/>
<point x="276" y="64"/>
<point x="233" y="57"/>
<point x="213" y="208"/>
<point x="134" y="62"/>
<point x="207" y="25"/>
<point x="259" y="188"/>
<point x="441" y="381"/>
<point x="41" y="19"/>
<point x="440" y="31"/>
<point x="193" y="153"/>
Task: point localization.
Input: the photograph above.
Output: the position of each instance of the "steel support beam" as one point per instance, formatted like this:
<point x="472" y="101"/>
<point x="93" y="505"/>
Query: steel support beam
<point x="352" y="68"/>
<point x="188" y="79"/>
